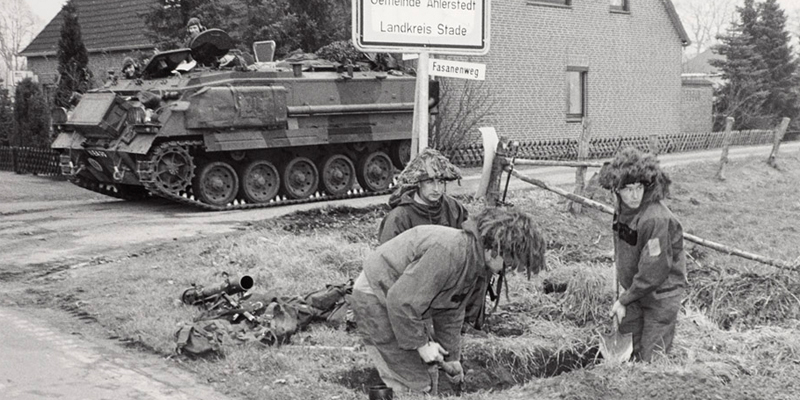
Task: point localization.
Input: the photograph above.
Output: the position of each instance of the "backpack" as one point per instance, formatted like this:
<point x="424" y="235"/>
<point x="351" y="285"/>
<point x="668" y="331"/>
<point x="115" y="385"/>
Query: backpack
<point x="202" y="338"/>
<point x="329" y="304"/>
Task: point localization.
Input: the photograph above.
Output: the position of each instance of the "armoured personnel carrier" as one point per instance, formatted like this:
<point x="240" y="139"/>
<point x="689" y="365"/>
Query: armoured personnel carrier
<point x="249" y="136"/>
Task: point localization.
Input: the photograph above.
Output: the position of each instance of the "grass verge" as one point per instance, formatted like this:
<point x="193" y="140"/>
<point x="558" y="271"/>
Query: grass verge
<point x="737" y="333"/>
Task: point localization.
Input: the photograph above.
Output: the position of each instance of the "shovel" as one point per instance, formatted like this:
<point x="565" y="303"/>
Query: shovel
<point x="616" y="347"/>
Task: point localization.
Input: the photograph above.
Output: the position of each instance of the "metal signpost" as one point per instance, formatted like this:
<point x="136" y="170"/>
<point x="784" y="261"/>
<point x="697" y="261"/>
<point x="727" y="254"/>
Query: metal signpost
<point x="424" y="26"/>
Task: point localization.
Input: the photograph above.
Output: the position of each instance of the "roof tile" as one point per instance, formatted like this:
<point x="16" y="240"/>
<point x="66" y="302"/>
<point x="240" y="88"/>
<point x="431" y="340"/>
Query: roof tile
<point x="105" y="25"/>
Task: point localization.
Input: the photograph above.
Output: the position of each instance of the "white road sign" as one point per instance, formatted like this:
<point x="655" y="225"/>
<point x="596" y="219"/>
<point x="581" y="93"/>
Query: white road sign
<point x="437" y="26"/>
<point x="457" y="69"/>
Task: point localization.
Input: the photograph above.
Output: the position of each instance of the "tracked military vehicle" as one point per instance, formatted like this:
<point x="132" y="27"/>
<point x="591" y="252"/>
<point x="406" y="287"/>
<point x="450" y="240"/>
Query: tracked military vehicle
<point x="247" y="136"/>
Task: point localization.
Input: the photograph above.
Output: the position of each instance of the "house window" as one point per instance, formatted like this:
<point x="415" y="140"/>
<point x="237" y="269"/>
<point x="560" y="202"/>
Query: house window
<point x="620" y="5"/>
<point x="566" y="3"/>
<point x="576" y="93"/>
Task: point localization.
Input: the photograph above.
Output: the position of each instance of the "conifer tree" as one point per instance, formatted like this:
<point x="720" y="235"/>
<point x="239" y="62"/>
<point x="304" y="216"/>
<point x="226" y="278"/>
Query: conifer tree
<point x="743" y="71"/>
<point x="167" y="19"/>
<point x="771" y="41"/>
<point x="292" y="24"/>
<point x="31" y="115"/>
<point x="320" y="22"/>
<point x="7" y="123"/>
<point x="73" y="72"/>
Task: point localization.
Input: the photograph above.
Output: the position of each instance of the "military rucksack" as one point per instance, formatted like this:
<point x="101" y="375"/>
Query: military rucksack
<point x="202" y="338"/>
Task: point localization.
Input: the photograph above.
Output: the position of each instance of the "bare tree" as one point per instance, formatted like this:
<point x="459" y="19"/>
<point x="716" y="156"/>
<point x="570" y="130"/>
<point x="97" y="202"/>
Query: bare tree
<point x="17" y="25"/>
<point x="464" y="105"/>
<point x="704" y="20"/>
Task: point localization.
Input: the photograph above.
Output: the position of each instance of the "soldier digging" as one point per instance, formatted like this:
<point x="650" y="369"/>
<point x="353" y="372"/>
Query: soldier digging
<point x="410" y="299"/>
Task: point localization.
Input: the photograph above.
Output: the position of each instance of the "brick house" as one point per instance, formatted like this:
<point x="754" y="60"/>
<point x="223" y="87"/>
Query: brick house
<point x="111" y="30"/>
<point x="553" y="62"/>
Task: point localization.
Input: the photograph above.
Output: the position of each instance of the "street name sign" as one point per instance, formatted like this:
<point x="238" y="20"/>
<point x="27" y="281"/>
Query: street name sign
<point x="412" y="26"/>
<point x="457" y="69"/>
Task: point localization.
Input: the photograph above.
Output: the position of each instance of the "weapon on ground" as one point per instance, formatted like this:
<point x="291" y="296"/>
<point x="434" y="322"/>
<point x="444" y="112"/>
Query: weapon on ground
<point x="210" y="296"/>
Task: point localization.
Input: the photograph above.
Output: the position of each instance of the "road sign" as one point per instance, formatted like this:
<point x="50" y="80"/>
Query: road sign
<point x="436" y="26"/>
<point x="457" y="69"/>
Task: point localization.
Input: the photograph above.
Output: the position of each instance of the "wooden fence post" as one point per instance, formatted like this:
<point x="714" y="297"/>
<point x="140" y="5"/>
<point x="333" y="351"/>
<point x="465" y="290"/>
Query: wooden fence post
<point x="653" y="144"/>
<point x="726" y="143"/>
<point x="493" y="192"/>
<point x="493" y="163"/>
<point x="776" y="144"/>
<point x="580" y="172"/>
<point x="14" y="161"/>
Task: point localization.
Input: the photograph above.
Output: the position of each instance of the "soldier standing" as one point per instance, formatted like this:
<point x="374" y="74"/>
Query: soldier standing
<point x="421" y="198"/>
<point x="648" y="247"/>
<point x="193" y="27"/>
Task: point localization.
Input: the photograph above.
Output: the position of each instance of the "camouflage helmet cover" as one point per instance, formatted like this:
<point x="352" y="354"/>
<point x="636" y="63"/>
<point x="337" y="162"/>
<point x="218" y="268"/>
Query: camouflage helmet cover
<point x="631" y="166"/>
<point x="128" y="61"/>
<point x="428" y="164"/>
<point x="193" y="21"/>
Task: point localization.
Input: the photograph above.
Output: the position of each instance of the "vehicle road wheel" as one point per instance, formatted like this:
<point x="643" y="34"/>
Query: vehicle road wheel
<point x="260" y="181"/>
<point x="216" y="184"/>
<point x="174" y="169"/>
<point x="375" y="171"/>
<point x="299" y="178"/>
<point x="400" y="153"/>
<point x="338" y="174"/>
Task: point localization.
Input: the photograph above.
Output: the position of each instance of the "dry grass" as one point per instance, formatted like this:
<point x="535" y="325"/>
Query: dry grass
<point x="758" y="356"/>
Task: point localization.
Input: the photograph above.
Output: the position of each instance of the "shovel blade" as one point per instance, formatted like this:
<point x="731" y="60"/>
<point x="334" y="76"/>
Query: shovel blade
<point x="616" y="347"/>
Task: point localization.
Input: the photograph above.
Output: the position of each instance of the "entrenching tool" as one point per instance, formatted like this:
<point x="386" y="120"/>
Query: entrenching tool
<point x="433" y="373"/>
<point x="616" y="347"/>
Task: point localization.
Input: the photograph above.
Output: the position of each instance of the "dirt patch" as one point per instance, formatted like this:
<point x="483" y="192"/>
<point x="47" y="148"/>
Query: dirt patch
<point x="356" y="225"/>
<point x="500" y="372"/>
<point x="359" y="378"/>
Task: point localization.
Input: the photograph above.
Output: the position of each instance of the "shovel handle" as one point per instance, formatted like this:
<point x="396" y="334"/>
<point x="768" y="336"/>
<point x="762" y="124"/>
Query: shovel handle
<point x="433" y="373"/>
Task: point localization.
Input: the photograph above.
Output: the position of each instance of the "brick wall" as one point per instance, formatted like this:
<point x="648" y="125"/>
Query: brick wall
<point x="633" y="61"/>
<point x="696" y="106"/>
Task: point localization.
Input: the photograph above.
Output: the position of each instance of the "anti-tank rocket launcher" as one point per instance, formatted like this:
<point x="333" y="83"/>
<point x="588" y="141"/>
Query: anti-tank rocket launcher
<point x="209" y="297"/>
<point x="195" y="131"/>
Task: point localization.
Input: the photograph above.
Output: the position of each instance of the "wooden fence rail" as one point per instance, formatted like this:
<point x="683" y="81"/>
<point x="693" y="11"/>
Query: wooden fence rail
<point x="606" y="147"/>
<point x="499" y="164"/>
<point x="692" y="238"/>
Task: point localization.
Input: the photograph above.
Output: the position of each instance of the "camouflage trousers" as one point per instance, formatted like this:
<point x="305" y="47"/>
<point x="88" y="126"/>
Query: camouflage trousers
<point x="652" y="322"/>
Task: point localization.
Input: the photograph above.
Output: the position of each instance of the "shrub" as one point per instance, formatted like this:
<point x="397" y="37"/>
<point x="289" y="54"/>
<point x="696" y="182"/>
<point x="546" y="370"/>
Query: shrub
<point x="7" y="123"/>
<point x="464" y="105"/>
<point x="31" y="115"/>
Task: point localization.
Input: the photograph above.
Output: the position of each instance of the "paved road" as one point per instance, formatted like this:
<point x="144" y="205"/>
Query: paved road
<point x="37" y="362"/>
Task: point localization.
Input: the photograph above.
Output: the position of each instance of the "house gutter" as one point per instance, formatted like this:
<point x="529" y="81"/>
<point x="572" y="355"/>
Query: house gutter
<point x="90" y="51"/>
<point x="676" y="22"/>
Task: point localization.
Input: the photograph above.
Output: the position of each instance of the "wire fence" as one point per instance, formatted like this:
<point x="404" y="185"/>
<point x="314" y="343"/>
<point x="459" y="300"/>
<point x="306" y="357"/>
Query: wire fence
<point x="45" y="161"/>
<point x="30" y="160"/>
<point x="471" y="155"/>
